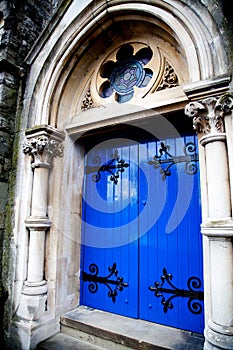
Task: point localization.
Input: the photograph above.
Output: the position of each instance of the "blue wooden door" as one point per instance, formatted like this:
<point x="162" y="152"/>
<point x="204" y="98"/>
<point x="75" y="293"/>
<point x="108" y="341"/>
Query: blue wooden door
<point x="110" y="244"/>
<point x="141" y="241"/>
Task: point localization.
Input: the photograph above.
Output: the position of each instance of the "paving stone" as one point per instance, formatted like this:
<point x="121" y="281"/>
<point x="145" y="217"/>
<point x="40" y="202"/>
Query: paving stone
<point x="95" y="326"/>
<point x="63" y="341"/>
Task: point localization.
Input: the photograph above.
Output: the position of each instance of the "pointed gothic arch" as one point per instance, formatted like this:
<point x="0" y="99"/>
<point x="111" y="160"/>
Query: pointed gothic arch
<point x="175" y="24"/>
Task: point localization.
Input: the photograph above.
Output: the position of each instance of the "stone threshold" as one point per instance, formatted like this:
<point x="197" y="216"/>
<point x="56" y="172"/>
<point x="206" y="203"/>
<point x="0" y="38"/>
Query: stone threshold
<point x="109" y="330"/>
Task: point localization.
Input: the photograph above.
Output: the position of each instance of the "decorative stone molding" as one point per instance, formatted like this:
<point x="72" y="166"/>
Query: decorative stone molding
<point x="87" y="102"/>
<point x="169" y="79"/>
<point x="208" y="115"/>
<point x="43" y="148"/>
<point x="218" y="229"/>
<point x="218" y="337"/>
<point x="226" y="104"/>
<point x="208" y="120"/>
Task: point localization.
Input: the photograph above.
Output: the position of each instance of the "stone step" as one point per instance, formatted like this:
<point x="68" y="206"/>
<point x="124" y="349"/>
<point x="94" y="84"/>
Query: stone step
<point x="114" y="332"/>
<point x="62" y="341"/>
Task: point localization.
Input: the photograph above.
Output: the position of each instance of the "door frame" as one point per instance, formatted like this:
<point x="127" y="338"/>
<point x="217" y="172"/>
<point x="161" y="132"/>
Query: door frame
<point x="102" y="134"/>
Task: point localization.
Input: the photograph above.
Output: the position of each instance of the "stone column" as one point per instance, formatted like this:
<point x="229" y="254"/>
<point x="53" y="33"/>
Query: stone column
<point x="42" y="144"/>
<point x="208" y="120"/>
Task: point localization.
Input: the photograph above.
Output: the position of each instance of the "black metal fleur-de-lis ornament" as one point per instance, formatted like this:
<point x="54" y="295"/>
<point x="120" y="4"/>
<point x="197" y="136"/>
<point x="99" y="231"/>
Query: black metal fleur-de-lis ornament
<point x="193" y="292"/>
<point x="165" y="160"/>
<point x="95" y="280"/>
<point x="114" y="167"/>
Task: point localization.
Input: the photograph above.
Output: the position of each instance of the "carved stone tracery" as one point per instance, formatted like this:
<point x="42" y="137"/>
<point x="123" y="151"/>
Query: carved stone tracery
<point x="121" y="88"/>
<point x="87" y="102"/>
<point x="169" y="79"/>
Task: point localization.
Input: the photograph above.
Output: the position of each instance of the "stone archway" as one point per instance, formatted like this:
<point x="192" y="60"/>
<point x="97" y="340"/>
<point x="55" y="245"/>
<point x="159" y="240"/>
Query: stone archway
<point x="64" y="93"/>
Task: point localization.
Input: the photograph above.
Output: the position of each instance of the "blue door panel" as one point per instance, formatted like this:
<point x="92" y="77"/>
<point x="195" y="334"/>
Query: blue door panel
<point x="141" y="241"/>
<point x="107" y="239"/>
<point x="173" y="248"/>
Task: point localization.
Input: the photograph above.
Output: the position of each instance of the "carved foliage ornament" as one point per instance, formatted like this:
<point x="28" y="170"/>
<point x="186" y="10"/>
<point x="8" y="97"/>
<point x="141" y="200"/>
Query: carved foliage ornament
<point x="42" y="149"/>
<point x="87" y="102"/>
<point x="169" y="79"/>
<point x="208" y="115"/>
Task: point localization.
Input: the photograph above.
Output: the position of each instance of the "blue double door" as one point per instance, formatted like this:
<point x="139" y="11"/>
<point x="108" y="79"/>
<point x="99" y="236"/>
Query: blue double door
<point x="141" y="242"/>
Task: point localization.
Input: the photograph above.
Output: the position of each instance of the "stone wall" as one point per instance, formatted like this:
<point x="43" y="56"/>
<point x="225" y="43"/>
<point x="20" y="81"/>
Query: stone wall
<point x="21" y="22"/>
<point x="222" y="13"/>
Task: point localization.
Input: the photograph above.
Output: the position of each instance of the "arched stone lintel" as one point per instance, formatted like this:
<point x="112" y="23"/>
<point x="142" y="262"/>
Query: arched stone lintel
<point x="192" y="33"/>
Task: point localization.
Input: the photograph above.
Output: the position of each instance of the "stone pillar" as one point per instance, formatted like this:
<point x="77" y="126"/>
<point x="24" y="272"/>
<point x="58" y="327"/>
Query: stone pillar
<point x="42" y="144"/>
<point x="208" y="120"/>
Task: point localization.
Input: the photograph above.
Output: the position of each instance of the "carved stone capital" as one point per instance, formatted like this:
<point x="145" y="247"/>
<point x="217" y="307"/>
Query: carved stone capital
<point x="198" y="112"/>
<point x="43" y="146"/>
<point x="208" y="114"/>
<point x="225" y="104"/>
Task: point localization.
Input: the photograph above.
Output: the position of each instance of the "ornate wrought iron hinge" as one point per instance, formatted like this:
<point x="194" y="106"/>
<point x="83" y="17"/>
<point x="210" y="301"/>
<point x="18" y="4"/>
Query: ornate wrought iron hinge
<point x="94" y="280"/>
<point x="114" y="164"/>
<point x="193" y="293"/>
<point x="190" y="158"/>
